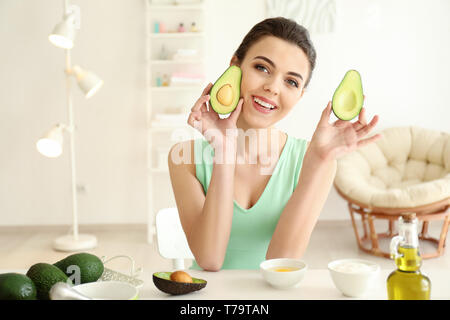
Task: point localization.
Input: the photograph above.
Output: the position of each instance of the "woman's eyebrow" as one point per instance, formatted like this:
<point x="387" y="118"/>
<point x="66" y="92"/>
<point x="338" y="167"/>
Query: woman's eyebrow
<point x="273" y="65"/>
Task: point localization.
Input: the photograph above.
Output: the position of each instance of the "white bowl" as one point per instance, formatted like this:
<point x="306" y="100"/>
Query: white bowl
<point x="353" y="277"/>
<point x="283" y="280"/>
<point x="108" y="290"/>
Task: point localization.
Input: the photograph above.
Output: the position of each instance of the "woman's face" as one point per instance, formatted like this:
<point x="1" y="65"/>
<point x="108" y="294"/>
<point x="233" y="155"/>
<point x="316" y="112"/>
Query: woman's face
<point x="274" y="72"/>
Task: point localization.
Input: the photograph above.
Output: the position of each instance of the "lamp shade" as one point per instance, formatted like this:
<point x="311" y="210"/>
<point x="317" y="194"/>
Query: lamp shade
<point x="50" y="145"/>
<point x="88" y="82"/>
<point x="63" y="34"/>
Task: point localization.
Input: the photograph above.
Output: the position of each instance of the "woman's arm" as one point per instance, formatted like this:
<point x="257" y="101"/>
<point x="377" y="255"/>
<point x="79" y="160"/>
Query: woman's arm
<point x="297" y="221"/>
<point x="330" y="141"/>
<point x="206" y="220"/>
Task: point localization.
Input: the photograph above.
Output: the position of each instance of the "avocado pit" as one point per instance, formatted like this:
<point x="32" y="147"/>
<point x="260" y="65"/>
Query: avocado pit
<point x="225" y="95"/>
<point x="180" y="276"/>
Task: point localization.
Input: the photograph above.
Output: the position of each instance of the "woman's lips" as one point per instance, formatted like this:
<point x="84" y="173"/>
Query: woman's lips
<point x="266" y="100"/>
<point x="260" y="108"/>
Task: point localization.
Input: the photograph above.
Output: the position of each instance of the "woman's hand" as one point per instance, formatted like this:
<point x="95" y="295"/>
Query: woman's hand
<point x="208" y="122"/>
<point x="331" y="141"/>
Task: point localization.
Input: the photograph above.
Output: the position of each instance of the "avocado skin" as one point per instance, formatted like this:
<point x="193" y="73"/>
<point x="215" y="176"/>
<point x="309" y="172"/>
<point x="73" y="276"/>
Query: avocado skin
<point x="349" y="85"/>
<point x="44" y="276"/>
<point x="16" y="286"/>
<point x="91" y="267"/>
<point x="176" y="288"/>
<point x="232" y="76"/>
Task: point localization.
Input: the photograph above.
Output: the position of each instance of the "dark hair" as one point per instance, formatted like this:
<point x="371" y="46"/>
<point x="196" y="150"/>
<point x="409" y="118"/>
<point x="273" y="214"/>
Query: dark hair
<point x="282" y="28"/>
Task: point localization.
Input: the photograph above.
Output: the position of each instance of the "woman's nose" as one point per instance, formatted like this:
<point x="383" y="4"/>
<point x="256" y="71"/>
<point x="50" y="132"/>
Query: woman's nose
<point x="272" y="87"/>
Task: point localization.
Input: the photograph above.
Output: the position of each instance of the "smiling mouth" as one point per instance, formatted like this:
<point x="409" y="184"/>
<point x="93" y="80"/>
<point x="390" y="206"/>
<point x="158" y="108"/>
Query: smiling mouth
<point x="263" y="106"/>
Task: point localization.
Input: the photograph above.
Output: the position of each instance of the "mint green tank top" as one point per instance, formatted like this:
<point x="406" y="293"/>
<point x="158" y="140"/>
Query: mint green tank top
<point x="252" y="228"/>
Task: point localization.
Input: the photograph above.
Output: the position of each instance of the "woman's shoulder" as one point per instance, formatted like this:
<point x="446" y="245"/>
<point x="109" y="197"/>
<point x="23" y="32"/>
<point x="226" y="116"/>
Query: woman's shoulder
<point x="181" y="156"/>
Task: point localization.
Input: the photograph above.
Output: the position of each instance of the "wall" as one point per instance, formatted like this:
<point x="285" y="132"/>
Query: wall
<point x="400" y="47"/>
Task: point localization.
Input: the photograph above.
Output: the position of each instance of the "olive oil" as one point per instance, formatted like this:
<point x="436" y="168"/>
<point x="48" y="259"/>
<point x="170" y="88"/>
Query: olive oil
<point x="407" y="282"/>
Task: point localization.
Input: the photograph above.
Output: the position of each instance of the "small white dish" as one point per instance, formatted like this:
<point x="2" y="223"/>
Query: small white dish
<point x="353" y="277"/>
<point x="108" y="290"/>
<point x="286" y="279"/>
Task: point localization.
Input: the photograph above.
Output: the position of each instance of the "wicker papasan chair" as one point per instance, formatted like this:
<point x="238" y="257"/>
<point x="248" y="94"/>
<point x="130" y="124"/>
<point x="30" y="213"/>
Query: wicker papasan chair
<point x="407" y="170"/>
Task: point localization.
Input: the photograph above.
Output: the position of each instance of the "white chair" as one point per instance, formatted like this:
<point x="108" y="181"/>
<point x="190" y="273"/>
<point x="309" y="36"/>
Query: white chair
<point x="172" y="242"/>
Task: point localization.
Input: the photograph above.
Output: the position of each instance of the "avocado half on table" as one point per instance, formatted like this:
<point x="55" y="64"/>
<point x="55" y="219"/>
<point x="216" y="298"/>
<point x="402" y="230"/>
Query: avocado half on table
<point x="163" y="281"/>
<point x="348" y="98"/>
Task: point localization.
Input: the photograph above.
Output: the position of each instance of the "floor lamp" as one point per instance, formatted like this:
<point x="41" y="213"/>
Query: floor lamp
<point x="51" y="143"/>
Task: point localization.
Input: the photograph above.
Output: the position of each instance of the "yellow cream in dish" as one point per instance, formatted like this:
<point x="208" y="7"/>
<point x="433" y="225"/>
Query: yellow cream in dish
<point x="284" y="269"/>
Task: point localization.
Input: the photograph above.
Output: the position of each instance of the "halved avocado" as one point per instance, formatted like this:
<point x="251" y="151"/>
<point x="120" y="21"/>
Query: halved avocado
<point x="162" y="282"/>
<point x="348" y="98"/>
<point x="226" y="91"/>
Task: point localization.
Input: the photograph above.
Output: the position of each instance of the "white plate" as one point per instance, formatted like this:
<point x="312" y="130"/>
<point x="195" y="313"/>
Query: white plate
<point x="108" y="290"/>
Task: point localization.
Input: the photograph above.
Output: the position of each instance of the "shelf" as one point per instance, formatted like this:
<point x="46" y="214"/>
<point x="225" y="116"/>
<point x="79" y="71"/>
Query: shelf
<point x="176" y="7"/>
<point x="176" y="35"/>
<point x="163" y="134"/>
<point x="168" y="128"/>
<point x="176" y="89"/>
<point x="172" y="62"/>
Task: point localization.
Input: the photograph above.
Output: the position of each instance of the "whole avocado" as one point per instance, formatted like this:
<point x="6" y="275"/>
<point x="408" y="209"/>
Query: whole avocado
<point x="44" y="276"/>
<point x="16" y="286"/>
<point x="90" y="267"/>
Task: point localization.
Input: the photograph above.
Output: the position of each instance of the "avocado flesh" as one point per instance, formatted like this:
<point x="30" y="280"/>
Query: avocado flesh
<point x="348" y="97"/>
<point x="162" y="282"/>
<point x="226" y="91"/>
<point x="91" y="267"/>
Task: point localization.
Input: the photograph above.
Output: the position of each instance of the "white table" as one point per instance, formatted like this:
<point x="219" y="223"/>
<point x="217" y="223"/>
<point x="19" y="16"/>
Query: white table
<point x="249" y="285"/>
<point x="316" y="285"/>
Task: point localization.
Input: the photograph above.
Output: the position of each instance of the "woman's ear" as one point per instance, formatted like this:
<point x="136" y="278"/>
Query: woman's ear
<point x="234" y="61"/>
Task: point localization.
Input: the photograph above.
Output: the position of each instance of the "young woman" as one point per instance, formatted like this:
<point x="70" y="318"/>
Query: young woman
<point x="234" y="214"/>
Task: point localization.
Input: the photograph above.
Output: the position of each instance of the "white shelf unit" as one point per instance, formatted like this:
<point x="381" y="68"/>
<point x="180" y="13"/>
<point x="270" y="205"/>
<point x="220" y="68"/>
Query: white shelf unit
<point x="159" y="97"/>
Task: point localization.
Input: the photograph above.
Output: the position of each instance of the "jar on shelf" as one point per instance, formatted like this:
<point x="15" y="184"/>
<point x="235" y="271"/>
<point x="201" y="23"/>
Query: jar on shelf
<point x="165" y="80"/>
<point x="162" y="27"/>
<point x="181" y="27"/>
<point x="158" y="79"/>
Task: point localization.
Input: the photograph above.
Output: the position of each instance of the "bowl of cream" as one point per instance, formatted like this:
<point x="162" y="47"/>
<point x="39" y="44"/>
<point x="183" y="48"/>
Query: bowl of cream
<point x="353" y="277"/>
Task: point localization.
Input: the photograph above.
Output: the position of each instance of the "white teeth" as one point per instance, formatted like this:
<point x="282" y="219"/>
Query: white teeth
<point x="264" y="104"/>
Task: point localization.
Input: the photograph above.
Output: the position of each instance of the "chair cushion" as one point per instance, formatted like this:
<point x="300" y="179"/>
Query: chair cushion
<point x="407" y="167"/>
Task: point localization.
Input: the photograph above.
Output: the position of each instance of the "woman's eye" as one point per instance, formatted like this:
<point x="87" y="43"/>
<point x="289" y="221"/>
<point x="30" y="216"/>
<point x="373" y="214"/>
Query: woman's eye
<point x="292" y="83"/>
<point x="261" y="68"/>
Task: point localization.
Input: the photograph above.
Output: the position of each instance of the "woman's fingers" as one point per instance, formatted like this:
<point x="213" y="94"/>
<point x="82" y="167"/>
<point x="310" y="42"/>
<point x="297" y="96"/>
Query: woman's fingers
<point x="367" y="141"/>
<point x="235" y="114"/>
<point x="203" y="99"/>
<point x="357" y="125"/>
<point x="362" y="117"/>
<point x="195" y="119"/>
<point x="207" y="89"/>
<point x="200" y="102"/>
<point x="367" y="128"/>
<point x="326" y="113"/>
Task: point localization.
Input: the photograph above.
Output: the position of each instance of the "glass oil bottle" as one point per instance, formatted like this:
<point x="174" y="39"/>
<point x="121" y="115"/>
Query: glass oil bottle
<point x="407" y="282"/>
